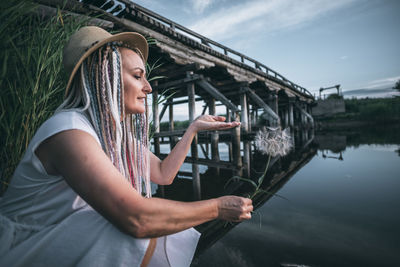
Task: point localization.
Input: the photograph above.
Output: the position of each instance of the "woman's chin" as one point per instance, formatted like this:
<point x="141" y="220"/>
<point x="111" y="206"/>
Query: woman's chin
<point x="135" y="111"/>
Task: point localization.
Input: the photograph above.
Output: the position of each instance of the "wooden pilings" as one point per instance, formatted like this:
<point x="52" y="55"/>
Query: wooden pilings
<point x="244" y="118"/>
<point x="237" y="158"/>
<point x="171" y="122"/>
<point x="156" y="128"/>
<point x="253" y="117"/>
<point x="272" y="117"/>
<point x="245" y="129"/>
<point x="229" y="118"/>
<point x="156" y="120"/>
<point x="194" y="152"/>
<point x="273" y="103"/>
<point x="305" y="117"/>
<point x="214" y="135"/>
<point x="286" y="116"/>
<point x="289" y="111"/>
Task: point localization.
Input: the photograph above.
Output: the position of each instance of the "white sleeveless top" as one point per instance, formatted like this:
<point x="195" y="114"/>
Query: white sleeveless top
<point x="43" y="222"/>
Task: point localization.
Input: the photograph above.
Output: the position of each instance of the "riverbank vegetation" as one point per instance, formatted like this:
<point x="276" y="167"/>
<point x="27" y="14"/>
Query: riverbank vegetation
<point x="365" y="112"/>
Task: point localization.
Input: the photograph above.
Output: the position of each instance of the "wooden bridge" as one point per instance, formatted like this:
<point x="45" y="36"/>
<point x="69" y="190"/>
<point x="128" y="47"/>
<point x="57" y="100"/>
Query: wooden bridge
<point x="197" y="69"/>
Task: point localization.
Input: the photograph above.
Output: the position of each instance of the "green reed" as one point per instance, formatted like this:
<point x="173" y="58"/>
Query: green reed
<point x="32" y="79"/>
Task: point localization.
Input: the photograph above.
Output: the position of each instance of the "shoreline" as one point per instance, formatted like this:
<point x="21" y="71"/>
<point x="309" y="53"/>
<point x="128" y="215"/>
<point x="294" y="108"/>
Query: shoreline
<point x="351" y="125"/>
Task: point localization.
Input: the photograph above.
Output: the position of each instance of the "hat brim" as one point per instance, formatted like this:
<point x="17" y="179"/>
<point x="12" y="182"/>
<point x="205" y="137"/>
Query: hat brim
<point x="131" y="39"/>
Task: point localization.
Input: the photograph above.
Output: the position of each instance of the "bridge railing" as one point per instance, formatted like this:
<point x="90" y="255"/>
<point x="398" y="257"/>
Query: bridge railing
<point x="119" y="10"/>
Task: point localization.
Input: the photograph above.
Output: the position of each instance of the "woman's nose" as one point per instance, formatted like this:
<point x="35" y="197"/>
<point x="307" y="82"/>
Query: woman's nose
<point x="147" y="88"/>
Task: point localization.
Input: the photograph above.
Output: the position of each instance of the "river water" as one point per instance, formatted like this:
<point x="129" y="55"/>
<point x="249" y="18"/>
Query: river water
<point x="339" y="209"/>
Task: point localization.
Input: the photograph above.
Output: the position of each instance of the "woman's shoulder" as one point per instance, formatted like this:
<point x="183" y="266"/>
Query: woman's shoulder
<point x="69" y="117"/>
<point x="65" y="120"/>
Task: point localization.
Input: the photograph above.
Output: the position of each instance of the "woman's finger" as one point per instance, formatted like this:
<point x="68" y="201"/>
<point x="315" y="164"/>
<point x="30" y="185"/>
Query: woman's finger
<point x="224" y="125"/>
<point x="219" y="118"/>
<point x="232" y="124"/>
<point x="248" y="201"/>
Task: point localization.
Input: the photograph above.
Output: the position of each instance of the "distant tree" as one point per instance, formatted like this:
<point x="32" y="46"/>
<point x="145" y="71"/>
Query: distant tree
<point x="397" y="85"/>
<point x="334" y="96"/>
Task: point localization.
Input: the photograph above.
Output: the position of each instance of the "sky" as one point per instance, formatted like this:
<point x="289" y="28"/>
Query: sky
<point x="313" y="43"/>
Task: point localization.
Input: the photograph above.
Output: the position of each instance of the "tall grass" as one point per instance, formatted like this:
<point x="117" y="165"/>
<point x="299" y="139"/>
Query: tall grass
<point x="32" y="80"/>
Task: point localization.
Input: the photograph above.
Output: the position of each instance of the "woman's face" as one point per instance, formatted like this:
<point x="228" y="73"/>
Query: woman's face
<point x="136" y="86"/>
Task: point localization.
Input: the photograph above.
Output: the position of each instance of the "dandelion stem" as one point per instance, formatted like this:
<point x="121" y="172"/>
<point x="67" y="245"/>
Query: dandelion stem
<point x="265" y="172"/>
<point x="261" y="179"/>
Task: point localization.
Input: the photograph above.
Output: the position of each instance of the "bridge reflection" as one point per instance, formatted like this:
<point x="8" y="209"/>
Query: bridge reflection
<point x="215" y="176"/>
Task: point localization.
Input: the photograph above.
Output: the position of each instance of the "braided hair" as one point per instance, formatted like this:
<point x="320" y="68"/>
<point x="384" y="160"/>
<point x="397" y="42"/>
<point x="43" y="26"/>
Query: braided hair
<point x="97" y="89"/>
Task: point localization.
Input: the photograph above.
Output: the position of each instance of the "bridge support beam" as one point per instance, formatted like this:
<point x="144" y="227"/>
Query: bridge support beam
<point x="244" y="114"/>
<point x="309" y="110"/>
<point x="250" y="121"/>
<point x="253" y="117"/>
<point x="237" y="158"/>
<point x="273" y="103"/>
<point x="156" y="129"/>
<point x="291" y="115"/>
<point x="272" y="116"/>
<point x="193" y="150"/>
<point x="229" y="118"/>
<point x="216" y="94"/>
<point x="171" y="122"/>
<point x="245" y="128"/>
<point x="305" y="115"/>
<point x="214" y="136"/>
<point x="156" y="121"/>
<point x="286" y="116"/>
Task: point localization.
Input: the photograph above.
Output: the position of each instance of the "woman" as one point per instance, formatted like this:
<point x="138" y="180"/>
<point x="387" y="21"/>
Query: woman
<point x="76" y="198"/>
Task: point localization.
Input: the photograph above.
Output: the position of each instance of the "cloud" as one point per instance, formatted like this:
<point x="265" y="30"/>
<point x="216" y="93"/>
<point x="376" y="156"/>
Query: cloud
<point x="371" y="93"/>
<point x="343" y="57"/>
<point x="199" y="6"/>
<point x="267" y="15"/>
<point x="382" y="83"/>
<point x="376" y="88"/>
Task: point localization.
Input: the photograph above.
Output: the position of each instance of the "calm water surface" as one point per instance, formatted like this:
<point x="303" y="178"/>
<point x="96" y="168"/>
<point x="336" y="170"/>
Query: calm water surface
<point x="338" y="213"/>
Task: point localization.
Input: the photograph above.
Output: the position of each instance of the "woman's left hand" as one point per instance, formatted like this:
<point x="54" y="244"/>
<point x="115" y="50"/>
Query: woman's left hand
<point x="210" y="122"/>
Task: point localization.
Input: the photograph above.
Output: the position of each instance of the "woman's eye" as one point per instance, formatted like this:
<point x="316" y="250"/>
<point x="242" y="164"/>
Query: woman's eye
<point x="137" y="77"/>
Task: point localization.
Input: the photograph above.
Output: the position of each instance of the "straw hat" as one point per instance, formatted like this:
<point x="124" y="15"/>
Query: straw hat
<point x="88" y="39"/>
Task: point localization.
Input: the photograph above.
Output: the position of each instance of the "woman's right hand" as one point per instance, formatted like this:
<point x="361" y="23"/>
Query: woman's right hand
<point x="234" y="208"/>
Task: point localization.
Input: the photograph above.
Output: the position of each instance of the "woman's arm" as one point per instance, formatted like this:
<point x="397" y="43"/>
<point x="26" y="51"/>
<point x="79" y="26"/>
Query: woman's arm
<point x="164" y="172"/>
<point x="76" y="156"/>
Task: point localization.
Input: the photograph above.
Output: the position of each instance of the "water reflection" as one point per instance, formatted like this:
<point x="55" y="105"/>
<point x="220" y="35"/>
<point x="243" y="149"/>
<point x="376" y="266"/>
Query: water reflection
<point x="340" y="207"/>
<point x="214" y="179"/>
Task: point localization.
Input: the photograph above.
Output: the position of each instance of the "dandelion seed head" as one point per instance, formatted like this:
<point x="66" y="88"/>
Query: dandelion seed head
<point x="274" y="141"/>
